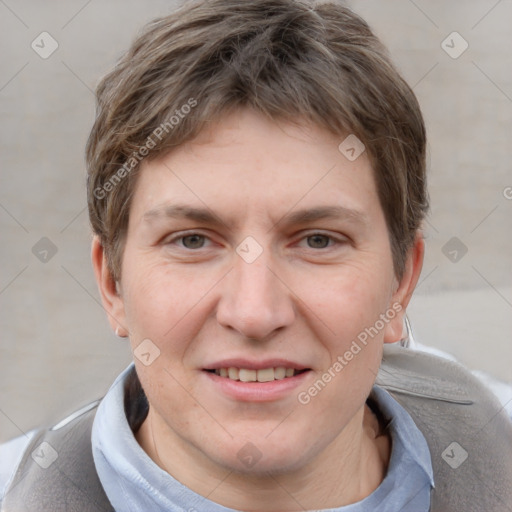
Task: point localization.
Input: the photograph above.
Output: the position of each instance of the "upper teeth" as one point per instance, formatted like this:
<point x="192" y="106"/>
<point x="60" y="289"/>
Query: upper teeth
<point x="263" y="375"/>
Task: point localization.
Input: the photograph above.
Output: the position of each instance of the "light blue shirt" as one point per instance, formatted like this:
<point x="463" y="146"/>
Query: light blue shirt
<point x="133" y="482"/>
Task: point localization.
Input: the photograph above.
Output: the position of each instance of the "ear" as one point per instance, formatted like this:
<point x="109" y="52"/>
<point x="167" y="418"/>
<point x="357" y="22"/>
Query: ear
<point x="404" y="290"/>
<point x="109" y="290"/>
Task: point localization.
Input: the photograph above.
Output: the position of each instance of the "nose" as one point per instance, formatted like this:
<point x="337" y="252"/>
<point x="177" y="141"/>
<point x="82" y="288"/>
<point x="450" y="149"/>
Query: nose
<point x="255" y="300"/>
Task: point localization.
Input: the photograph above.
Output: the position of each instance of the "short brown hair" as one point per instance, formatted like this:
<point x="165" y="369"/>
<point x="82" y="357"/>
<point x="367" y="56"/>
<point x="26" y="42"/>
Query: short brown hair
<point x="290" y="60"/>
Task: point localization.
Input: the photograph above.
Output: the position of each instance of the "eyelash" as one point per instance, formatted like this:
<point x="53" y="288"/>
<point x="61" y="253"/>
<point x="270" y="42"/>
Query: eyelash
<point x="336" y="241"/>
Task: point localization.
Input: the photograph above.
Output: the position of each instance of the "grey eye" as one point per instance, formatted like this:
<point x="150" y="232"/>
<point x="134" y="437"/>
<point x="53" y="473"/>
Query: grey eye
<point x="319" y="241"/>
<point x="193" y="241"/>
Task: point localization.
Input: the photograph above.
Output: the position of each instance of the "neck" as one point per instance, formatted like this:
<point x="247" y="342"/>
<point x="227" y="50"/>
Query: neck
<point x="347" y="471"/>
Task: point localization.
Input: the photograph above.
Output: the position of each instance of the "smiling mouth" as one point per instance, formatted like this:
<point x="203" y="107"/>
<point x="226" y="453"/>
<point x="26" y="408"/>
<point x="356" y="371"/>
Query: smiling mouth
<point x="262" y="375"/>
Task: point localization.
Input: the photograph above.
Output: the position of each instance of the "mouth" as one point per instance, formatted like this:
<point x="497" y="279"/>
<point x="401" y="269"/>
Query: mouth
<point x="256" y="381"/>
<point x="261" y="375"/>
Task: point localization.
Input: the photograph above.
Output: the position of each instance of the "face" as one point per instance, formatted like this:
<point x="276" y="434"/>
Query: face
<point x="258" y="251"/>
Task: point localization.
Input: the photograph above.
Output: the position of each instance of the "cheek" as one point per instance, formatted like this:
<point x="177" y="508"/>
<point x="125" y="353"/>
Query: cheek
<point x="160" y="300"/>
<point x="348" y="299"/>
<point x="350" y="304"/>
<point x="172" y="397"/>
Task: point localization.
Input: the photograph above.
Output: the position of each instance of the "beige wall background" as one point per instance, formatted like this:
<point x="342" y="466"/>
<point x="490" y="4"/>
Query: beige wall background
<point x="57" y="351"/>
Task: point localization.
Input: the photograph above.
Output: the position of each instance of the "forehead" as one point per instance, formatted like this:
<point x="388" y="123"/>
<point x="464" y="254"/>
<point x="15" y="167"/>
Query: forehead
<point x="247" y="164"/>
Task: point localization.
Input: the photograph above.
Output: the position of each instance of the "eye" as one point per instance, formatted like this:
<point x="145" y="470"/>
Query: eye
<point x="321" y="241"/>
<point x="190" y="241"/>
<point x="318" y="241"/>
<point x="195" y="241"/>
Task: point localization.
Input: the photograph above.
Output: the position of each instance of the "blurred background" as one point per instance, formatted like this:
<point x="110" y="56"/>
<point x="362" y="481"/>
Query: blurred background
<point x="57" y="352"/>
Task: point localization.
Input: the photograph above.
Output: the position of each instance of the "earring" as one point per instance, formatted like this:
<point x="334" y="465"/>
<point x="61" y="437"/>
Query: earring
<point x="407" y="338"/>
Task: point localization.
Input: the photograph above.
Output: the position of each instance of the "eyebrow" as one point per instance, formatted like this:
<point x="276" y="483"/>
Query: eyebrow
<point x="303" y="216"/>
<point x="323" y="213"/>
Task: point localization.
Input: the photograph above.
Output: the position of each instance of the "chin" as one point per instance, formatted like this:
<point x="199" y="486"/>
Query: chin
<point x="265" y="463"/>
<point x="264" y="454"/>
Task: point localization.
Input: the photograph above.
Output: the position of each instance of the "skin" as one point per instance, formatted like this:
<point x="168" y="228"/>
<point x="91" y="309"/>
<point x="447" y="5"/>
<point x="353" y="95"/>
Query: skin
<point x="305" y="299"/>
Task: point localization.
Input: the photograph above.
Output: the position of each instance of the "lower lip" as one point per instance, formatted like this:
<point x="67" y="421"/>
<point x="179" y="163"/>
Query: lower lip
<point x="257" y="391"/>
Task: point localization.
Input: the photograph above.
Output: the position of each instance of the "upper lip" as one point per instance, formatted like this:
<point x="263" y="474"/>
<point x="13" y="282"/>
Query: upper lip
<point x="254" y="365"/>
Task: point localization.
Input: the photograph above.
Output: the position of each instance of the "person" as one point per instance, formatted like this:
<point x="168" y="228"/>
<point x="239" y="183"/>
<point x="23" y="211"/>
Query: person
<point x="256" y="188"/>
